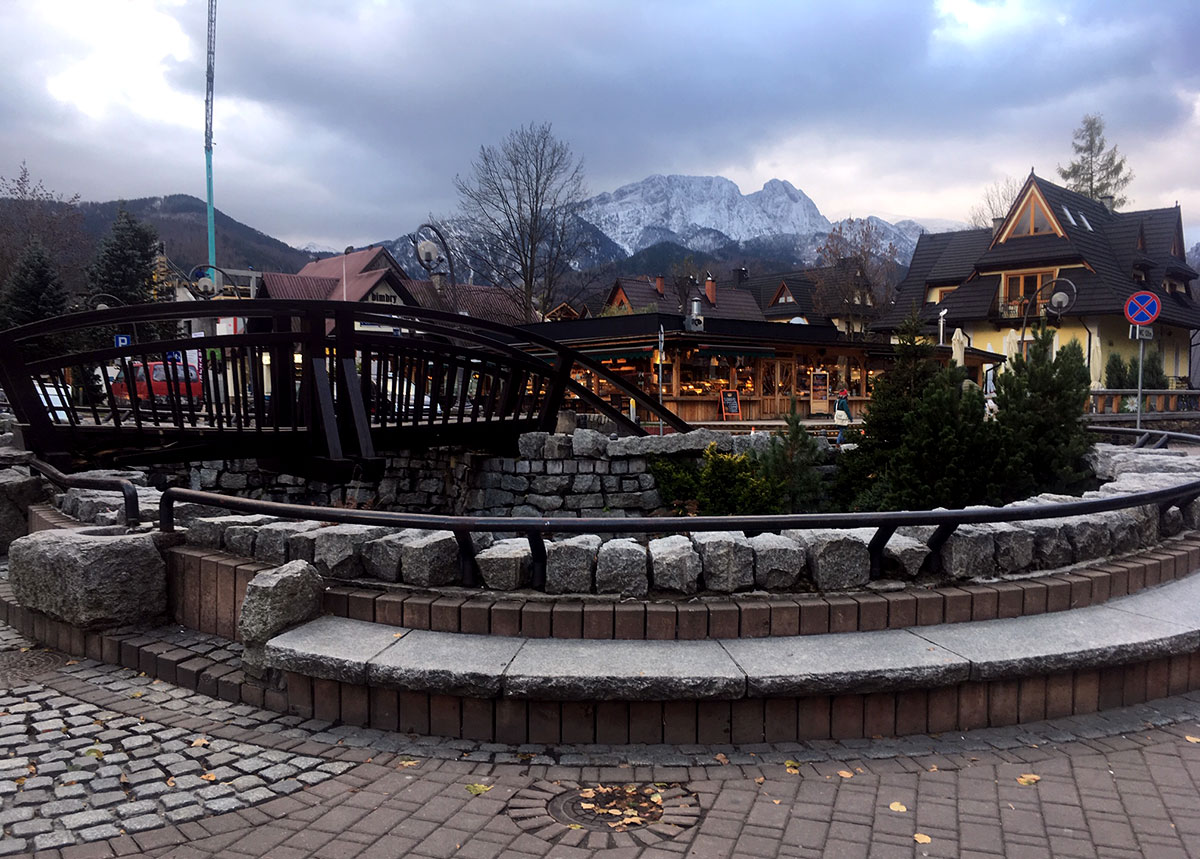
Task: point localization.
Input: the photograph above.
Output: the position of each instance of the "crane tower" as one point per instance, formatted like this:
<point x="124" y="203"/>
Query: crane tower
<point x="208" y="144"/>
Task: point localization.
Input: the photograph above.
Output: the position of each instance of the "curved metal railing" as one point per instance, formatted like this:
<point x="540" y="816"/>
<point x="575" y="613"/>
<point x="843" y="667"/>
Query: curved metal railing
<point x="302" y="379"/>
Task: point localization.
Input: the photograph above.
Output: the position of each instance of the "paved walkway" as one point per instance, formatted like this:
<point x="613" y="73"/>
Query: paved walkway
<point x="98" y="761"/>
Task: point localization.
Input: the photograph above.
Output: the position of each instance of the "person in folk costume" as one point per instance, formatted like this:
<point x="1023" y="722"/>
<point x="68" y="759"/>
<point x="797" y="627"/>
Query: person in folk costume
<point x="841" y="413"/>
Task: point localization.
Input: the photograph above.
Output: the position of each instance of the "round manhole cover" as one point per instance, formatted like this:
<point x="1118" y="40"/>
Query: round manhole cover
<point x="605" y="815"/>
<point x="16" y="667"/>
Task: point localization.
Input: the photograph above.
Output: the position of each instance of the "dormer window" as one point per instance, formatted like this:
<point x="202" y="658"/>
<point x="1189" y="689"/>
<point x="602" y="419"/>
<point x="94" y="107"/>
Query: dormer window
<point x="1032" y="219"/>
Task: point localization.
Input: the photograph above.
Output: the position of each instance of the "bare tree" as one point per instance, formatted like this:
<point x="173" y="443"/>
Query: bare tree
<point x="997" y="199"/>
<point x="520" y="202"/>
<point x="1096" y="171"/>
<point x="858" y="274"/>
<point x="32" y="214"/>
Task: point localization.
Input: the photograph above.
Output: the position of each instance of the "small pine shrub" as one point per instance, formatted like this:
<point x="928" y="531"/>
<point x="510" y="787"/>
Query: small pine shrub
<point x="1116" y="372"/>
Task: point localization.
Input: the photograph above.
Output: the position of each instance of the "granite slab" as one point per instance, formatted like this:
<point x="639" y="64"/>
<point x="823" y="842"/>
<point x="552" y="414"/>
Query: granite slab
<point x="331" y="648"/>
<point x="447" y="664"/>
<point x="601" y="670"/>
<point x="1083" y="638"/>
<point x="859" y="661"/>
<point x="1176" y="602"/>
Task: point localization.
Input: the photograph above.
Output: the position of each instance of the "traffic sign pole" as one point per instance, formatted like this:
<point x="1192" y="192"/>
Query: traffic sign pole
<point x="1141" y="308"/>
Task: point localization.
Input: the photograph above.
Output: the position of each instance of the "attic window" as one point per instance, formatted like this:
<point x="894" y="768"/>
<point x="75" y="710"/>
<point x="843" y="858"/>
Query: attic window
<point x="1033" y="219"/>
<point x="785" y="298"/>
<point x="1067" y="212"/>
<point x="1083" y="218"/>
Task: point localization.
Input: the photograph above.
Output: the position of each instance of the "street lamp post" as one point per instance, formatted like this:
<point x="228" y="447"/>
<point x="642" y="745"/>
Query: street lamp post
<point x="430" y="264"/>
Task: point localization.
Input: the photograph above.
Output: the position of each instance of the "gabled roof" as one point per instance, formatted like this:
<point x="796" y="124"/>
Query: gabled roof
<point x="765" y="287"/>
<point x="643" y="295"/>
<point x="1100" y="246"/>
<point x="483" y="302"/>
<point x="297" y="286"/>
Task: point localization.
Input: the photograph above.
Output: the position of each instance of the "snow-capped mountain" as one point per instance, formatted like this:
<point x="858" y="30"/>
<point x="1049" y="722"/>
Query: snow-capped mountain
<point x="705" y="214"/>
<point x="700" y="212"/>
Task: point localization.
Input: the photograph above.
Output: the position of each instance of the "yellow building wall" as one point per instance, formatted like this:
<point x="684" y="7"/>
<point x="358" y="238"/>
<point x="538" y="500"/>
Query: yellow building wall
<point x="1109" y="334"/>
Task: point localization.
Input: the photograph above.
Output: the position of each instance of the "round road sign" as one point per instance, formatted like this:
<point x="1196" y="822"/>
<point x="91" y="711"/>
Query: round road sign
<point x="1142" y="308"/>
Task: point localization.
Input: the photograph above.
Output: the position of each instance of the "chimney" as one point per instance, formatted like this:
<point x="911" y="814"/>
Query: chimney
<point x="1109" y="201"/>
<point x="659" y="284"/>
<point x="710" y="290"/>
<point x="740" y="275"/>
<point x="695" y="307"/>
<point x="439" y="282"/>
<point x="996" y="224"/>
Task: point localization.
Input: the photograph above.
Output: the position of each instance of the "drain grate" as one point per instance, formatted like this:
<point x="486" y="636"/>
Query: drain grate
<point x="17" y="667"/>
<point x="605" y="815"/>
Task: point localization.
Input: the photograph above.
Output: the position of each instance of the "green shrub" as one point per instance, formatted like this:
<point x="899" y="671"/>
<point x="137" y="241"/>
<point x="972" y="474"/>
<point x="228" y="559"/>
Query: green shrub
<point x="732" y="485"/>
<point x="678" y="483"/>
<point x="789" y="463"/>
<point x="1116" y="372"/>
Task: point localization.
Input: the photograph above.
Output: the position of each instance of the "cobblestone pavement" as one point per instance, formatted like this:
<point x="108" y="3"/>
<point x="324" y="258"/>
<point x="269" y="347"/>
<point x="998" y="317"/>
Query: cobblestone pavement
<point x="98" y="761"/>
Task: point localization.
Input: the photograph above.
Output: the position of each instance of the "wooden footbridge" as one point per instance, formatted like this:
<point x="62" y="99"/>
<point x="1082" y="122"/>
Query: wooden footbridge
<point x="313" y="385"/>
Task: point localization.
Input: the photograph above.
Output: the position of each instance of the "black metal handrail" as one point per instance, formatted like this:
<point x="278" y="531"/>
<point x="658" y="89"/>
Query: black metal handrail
<point x="885" y="523"/>
<point x="107" y="484"/>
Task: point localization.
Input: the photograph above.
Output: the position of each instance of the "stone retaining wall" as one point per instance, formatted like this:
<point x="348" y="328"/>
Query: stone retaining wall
<point x="726" y="562"/>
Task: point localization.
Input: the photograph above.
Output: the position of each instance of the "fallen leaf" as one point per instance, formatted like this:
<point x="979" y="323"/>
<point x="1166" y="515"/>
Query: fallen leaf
<point x="411" y="762"/>
<point x="209" y="777"/>
<point x="845" y="774"/>
<point x="72" y="661"/>
<point x="587" y="794"/>
<point x="94" y="753"/>
<point x="656" y="798"/>
<point x="775" y="801"/>
<point x="933" y="768"/>
<point x="171" y="781"/>
<point x="20" y="781"/>
<point x="123" y="779"/>
<point x="200" y="741"/>
<point x="137" y="695"/>
<point x="898" y="806"/>
<point x="921" y="838"/>
<point x="1028" y="779"/>
<point x="574" y="826"/>
<point x="587" y="805"/>
<point x="478" y="789"/>
<point x="397" y="634"/>
<point x="1192" y="739"/>
<point x="721" y="759"/>
<point x="759" y="780"/>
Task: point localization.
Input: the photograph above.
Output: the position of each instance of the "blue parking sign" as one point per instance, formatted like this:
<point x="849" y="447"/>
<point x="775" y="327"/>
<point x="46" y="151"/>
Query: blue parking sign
<point x="120" y="340"/>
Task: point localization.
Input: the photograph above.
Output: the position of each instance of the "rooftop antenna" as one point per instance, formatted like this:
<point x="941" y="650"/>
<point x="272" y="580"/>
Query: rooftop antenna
<point x="208" y="111"/>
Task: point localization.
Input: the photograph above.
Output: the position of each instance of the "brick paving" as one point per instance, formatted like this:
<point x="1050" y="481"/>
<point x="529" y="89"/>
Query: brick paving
<point x="1124" y="783"/>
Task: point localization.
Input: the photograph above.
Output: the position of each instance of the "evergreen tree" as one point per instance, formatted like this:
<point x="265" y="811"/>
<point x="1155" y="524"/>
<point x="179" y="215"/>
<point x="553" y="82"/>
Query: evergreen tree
<point x="34" y="292"/>
<point x="789" y="463"/>
<point x="1154" y="376"/>
<point x="124" y="270"/>
<point x="1042" y="436"/>
<point x="124" y="264"/>
<point x="1116" y="372"/>
<point x="1096" y="171"/>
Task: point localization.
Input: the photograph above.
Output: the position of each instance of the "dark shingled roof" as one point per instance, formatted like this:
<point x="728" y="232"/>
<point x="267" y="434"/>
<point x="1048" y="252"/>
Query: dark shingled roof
<point x="483" y="302"/>
<point x="1104" y="242"/>
<point x="643" y="296"/>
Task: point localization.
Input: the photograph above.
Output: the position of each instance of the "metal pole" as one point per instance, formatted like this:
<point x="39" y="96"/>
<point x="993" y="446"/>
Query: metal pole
<point x="661" y="345"/>
<point x="1141" y="362"/>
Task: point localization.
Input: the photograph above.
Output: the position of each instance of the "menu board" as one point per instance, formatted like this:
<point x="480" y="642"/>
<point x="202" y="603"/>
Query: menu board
<point x="819" y="403"/>
<point x="731" y="406"/>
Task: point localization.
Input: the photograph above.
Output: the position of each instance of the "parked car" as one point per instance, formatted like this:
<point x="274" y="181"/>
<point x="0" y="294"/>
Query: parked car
<point x="164" y="377"/>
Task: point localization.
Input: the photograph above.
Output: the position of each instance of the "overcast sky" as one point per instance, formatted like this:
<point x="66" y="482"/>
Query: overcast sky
<point x="345" y="121"/>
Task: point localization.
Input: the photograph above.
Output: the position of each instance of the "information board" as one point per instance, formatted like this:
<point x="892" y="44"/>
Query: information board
<point x="731" y="406"/>
<point x="820" y="393"/>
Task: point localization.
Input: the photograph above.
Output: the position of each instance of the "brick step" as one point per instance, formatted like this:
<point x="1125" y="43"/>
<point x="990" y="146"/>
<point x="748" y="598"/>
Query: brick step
<point x="206" y="588"/>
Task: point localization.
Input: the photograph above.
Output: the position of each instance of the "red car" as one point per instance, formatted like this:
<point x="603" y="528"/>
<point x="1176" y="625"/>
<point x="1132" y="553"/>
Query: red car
<point x="165" y="379"/>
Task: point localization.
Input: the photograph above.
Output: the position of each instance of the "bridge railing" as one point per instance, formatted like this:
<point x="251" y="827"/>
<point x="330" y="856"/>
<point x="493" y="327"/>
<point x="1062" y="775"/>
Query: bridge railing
<point x="298" y="379"/>
<point x="1117" y="401"/>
